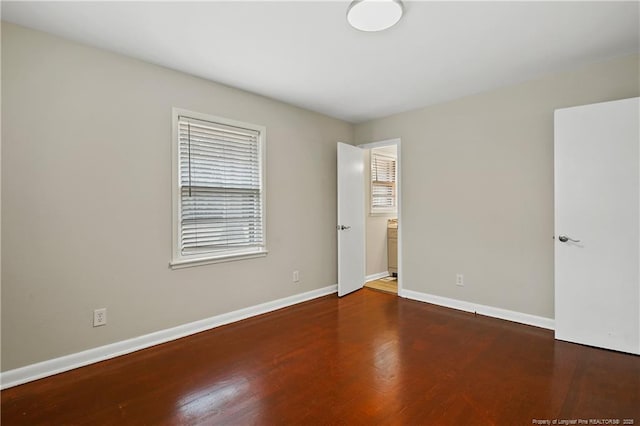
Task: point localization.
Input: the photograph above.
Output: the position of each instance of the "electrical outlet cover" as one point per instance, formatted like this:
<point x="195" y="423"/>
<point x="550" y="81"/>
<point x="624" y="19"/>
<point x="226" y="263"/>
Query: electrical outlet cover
<point x="100" y="317"/>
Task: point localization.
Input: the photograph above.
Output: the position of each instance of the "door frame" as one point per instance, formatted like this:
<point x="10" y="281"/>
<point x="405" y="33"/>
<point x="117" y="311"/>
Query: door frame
<point x="398" y="143"/>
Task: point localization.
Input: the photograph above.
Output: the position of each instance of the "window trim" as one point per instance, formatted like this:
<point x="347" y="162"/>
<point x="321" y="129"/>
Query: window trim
<point x="178" y="260"/>
<point x="382" y="211"/>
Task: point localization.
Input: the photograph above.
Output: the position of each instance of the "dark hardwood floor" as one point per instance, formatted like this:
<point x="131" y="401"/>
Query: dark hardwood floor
<point x="369" y="358"/>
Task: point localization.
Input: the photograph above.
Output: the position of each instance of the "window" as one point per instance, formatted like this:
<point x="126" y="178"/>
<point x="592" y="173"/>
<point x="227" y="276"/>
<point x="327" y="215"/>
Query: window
<point x="383" y="183"/>
<point x="218" y="184"/>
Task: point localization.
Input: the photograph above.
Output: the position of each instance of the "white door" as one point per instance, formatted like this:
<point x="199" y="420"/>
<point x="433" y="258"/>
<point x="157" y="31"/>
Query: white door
<point x="350" y="219"/>
<point x="597" y="203"/>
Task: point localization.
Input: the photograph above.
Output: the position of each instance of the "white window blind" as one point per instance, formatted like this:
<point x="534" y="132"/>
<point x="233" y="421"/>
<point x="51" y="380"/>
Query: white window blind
<point x="383" y="182"/>
<point x="220" y="188"/>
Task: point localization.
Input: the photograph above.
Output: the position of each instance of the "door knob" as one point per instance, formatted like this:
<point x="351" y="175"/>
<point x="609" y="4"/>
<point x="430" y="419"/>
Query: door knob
<point x="343" y="227"/>
<point x="564" y="239"/>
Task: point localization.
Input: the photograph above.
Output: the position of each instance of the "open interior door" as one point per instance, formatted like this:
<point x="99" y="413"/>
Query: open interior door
<point x="351" y="250"/>
<point x="597" y="222"/>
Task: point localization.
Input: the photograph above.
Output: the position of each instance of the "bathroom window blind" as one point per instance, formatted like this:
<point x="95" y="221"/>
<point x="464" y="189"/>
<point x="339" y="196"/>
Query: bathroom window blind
<point x="383" y="182"/>
<point x="220" y="178"/>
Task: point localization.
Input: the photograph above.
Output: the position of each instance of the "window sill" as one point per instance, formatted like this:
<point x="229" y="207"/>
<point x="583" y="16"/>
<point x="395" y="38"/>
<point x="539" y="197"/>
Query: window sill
<point x="188" y="263"/>
<point x="393" y="213"/>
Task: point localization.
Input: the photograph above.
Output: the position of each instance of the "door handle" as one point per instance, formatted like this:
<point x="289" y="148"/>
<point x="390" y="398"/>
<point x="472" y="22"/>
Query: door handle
<point x="564" y="239"/>
<point x="342" y="227"/>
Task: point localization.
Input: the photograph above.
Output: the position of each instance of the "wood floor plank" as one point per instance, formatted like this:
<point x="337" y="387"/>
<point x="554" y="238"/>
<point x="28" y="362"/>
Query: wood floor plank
<point x="365" y="359"/>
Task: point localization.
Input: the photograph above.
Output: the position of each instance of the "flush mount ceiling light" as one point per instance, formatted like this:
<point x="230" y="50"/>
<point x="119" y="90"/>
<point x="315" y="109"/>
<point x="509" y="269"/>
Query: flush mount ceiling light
<point x="374" y="15"/>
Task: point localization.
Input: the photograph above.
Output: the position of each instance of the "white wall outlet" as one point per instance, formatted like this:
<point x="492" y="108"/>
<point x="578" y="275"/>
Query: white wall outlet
<point x="100" y="317"/>
<point x="460" y="280"/>
<point x="296" y="276"/>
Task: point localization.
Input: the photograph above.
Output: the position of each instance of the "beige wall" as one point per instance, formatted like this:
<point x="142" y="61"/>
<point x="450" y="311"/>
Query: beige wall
<point x="86" y="196"/>
<point x="86" y="199"/>
<point x="376" y="239"/>
<point x="477" y="179"/>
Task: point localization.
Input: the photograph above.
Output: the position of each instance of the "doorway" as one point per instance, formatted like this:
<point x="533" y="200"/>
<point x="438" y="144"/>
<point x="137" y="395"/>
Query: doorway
<point x="352" y="190"/>
<point x="382" y="215"/>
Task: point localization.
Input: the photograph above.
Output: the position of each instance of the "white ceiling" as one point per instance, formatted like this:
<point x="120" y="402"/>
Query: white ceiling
<point x="305" y="53"/>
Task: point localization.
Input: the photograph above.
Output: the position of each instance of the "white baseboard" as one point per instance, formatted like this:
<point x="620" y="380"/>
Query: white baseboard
<point x="489" y="311"/>
<point x="50" y="367"/>
<point x="377" y="276"/>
